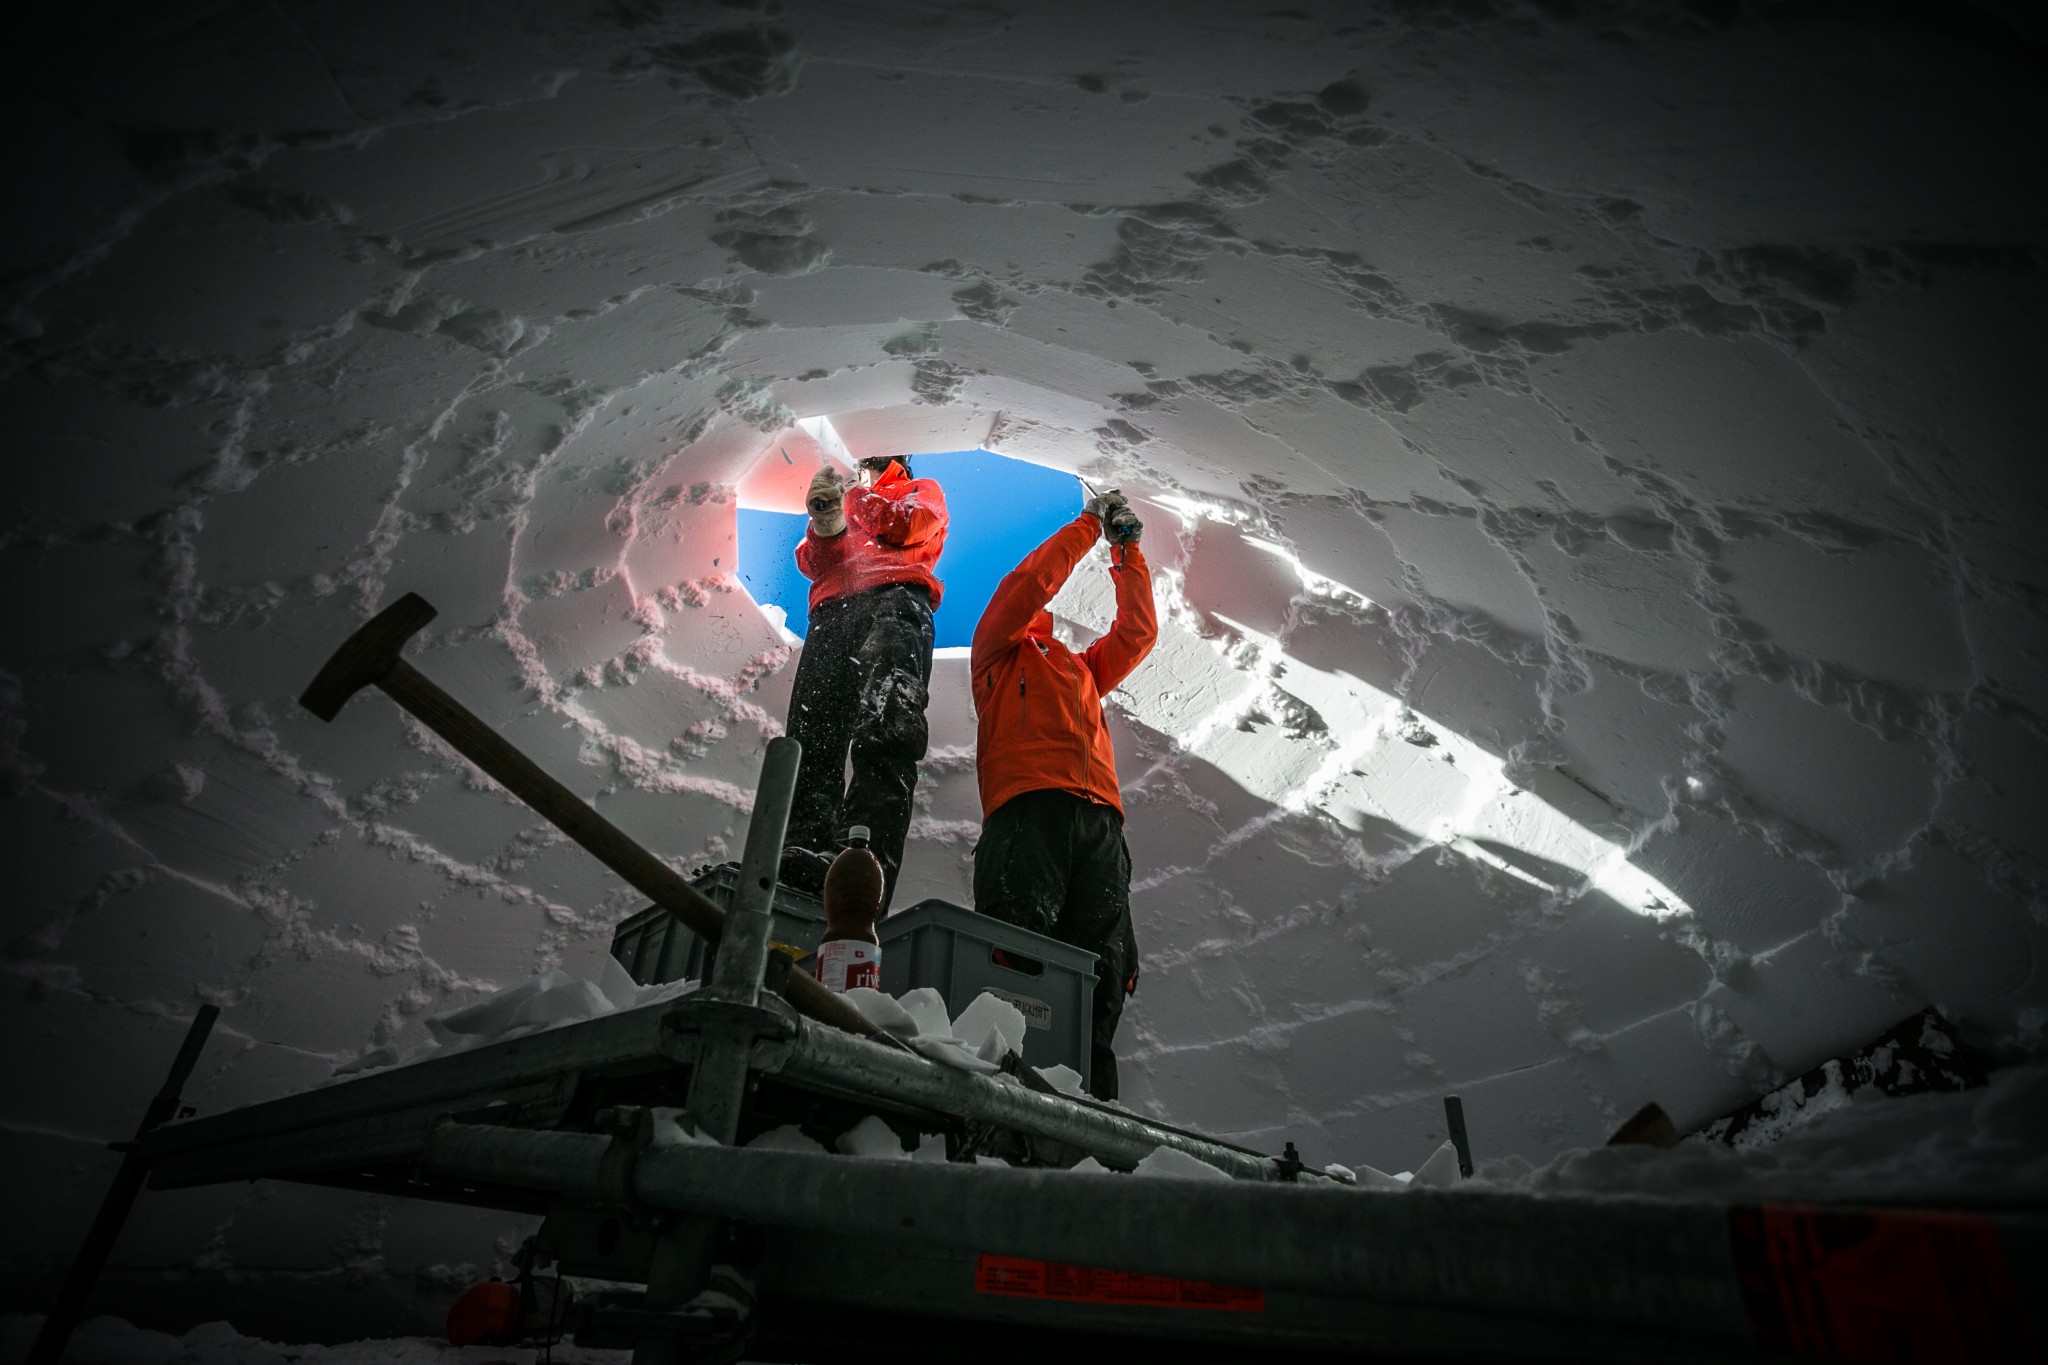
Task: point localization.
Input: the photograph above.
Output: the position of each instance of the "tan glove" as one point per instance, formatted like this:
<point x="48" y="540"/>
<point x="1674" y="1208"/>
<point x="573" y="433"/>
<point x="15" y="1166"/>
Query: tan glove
<point x="826" y="502"/>
<point x="1119" y="523"/>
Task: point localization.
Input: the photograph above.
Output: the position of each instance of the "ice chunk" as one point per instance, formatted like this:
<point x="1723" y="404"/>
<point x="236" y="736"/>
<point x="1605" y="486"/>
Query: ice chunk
<point x="930" y="1147"/>
<point x="562" y="1004"/>
<point x="950" y="1051"/>
<point x="872" y="1137"/>
<point x="666" y="990"/>
<point x="376" y="1057"/>
<point x="492" y="1015"/>
<point x="618" y="984"/>
<point x="1441" y="1170"/>
<point x="1171" y="1161"/>
<point x="1372" y="1178"/>
<point x="788" y="1138"/>
<point x="928" y="1008"/>
<point x="1088" y="1165"/>
<point x="883" y="1012"/>
<point x="991" y="1027"/>
<point x="675" y="1128"/>
<point x="1341" y="1173"/>
<point x="1064" y="1079"/>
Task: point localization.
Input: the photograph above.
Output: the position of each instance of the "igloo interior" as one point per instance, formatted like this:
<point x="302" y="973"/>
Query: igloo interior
<point x="1582" y="450"/>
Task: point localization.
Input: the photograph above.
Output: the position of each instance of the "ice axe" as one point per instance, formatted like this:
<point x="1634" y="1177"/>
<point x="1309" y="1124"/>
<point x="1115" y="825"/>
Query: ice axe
<point x="370" y="658"/>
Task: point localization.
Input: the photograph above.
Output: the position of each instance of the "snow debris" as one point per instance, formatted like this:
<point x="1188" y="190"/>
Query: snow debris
<point x="1972" y="1147"/>
<point x="787" y="1138"/>
<point x="1440" y="1171"/>
<point x="543" y="1002"/>
<point x="991" y="1027"/>
<point x="872" y="1137"/>
<point x="927" y="1009"/>
<point x="883" y="1012"/>
<point x="1172" y="1162"/>
<point x="1064" y="1079"/>
<point x="675" y="1128"/>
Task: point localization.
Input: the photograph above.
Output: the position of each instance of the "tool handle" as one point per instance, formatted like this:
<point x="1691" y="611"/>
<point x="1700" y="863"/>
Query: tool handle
<point x="120" y="1198"/>
<point x="1454" y="1116"/>
<point x="609" y="844"/>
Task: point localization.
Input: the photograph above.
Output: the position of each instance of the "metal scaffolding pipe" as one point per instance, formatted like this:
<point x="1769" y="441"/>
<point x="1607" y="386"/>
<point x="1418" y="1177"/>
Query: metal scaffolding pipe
<point x="827" y="1060"/>
<point x="1655" y="1265"/>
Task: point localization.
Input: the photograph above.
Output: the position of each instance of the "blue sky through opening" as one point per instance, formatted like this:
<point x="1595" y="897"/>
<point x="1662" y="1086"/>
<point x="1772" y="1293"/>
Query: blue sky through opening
<point x="1000" y="508"/>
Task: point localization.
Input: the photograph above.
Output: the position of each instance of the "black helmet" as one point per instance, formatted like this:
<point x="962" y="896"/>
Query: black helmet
<point x="879" y="464"/>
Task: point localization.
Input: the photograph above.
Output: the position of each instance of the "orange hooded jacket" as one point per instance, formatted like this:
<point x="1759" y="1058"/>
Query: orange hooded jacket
<point x="1038" y="704"/>
<point x="895" y="531"/>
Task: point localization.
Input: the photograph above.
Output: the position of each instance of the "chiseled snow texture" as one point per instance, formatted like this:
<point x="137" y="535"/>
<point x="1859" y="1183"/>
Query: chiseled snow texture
<point x="1589" y="454"/>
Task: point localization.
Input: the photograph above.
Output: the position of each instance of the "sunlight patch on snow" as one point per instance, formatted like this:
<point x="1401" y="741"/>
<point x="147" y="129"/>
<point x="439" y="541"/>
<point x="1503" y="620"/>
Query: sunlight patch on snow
<point x="1352" y="751"/>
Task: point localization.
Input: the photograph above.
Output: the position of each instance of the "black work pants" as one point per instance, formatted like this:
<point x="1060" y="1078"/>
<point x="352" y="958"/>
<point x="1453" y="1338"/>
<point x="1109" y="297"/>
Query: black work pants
<point x="861" y="683"/>
<point x="1056" y="864"/>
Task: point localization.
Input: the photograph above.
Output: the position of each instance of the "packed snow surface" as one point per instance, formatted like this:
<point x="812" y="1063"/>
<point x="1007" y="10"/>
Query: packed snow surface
<point x="1587" y="452"/>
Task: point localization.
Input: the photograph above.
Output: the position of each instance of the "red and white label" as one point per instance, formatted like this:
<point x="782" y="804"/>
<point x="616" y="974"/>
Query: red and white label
<point x="1019" y="1278"/>
<point x="846" y="963"/>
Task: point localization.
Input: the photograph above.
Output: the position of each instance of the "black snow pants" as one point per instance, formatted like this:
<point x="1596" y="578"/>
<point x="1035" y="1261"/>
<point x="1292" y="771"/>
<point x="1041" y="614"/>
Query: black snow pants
<point x="1056" y="864"/>
<point x="861" y="682"/>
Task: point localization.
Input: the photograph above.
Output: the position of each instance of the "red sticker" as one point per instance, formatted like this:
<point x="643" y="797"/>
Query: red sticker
<point x="1877" y="1285"/>
<point x="1024" y="1279"/>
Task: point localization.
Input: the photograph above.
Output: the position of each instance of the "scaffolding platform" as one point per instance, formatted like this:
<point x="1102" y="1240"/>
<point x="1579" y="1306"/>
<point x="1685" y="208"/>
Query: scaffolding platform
<point x="862" y="1257"/>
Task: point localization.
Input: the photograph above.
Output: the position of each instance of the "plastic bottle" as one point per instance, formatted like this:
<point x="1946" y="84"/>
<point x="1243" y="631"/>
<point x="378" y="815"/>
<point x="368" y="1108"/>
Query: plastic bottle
<point x="850" y="954"/>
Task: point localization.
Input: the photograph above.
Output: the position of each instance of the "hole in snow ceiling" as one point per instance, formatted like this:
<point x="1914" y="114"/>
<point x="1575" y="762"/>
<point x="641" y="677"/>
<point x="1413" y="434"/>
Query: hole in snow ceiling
<point x="999" y="509"/>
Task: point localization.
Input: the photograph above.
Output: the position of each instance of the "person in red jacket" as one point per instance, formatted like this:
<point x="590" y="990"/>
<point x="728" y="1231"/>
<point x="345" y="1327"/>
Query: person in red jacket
<point x="1052" y="856"/>
<point x="867" y="662"/>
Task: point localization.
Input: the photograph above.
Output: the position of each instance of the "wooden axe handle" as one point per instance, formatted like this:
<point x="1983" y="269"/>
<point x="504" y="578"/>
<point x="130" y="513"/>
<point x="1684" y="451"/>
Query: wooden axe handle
<point x="575" y="817"/>
<point x="371" y="656"/>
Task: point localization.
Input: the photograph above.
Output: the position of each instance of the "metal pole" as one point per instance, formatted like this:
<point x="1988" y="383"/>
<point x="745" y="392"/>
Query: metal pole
<point x="743" y="947"/>
<point x="687" y="1246"/>
<point x="99" y="1240"/>
<point x="1654" y="1264"/>
<point x="826" y="1062"/>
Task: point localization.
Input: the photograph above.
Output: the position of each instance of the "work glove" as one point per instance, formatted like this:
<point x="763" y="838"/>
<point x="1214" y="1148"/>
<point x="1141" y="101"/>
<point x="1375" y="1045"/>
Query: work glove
<point x="826" y="502"/>
<point x="1119" y="523"/>
<point x="1105" y="505"/>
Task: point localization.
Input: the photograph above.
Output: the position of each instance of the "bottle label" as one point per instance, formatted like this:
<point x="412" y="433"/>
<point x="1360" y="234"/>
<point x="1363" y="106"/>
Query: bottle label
<point x="846" y="963"/>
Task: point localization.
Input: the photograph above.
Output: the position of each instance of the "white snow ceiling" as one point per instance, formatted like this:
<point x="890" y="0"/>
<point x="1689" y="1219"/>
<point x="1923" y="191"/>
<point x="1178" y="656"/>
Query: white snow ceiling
<point x="1591" y="453"/>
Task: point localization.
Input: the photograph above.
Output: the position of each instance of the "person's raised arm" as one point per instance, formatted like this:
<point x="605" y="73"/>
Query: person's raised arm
<point x="1026" y="589"/>
<point x="905" y="512"/>
<point x="1111" y="658"/>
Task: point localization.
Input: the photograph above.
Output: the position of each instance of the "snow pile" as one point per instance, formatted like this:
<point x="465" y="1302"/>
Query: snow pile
<point x="544" y="1002"/>
<point x="988" y="1030"/>
<point x="1974" y="1147"/>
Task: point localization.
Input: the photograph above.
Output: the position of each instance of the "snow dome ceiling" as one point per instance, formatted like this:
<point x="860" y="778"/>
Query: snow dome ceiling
<point x="1591" y="453"/>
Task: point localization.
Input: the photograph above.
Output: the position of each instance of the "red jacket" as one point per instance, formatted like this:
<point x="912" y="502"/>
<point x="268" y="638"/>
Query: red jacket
<point x="895" y="531"/>
<point x="1038" y="705"/>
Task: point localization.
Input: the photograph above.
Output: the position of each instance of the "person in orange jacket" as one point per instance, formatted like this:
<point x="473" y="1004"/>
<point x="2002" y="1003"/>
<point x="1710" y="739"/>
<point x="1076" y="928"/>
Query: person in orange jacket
<point x="1052" y="856"/>
<point x="862" y="680"/>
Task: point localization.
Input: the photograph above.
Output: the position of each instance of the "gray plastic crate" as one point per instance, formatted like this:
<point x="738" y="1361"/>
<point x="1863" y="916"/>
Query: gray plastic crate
<point x="653" y="947"/>
<point x="961" y="954"/>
